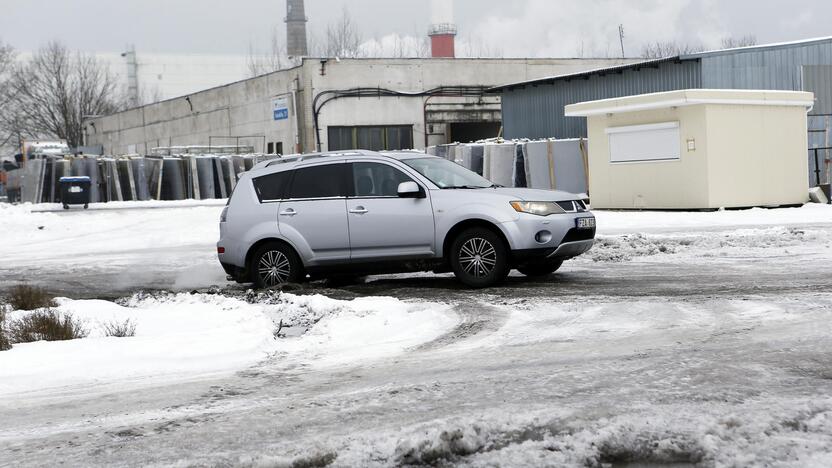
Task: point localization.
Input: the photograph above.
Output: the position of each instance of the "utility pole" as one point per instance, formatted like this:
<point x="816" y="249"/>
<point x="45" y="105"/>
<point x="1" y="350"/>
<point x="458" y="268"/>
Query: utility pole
<point x="621" y="39"/>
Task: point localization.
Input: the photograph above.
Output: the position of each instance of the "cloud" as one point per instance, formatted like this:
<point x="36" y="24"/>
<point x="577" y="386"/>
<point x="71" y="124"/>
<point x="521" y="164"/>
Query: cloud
<point x="590" y="28"/>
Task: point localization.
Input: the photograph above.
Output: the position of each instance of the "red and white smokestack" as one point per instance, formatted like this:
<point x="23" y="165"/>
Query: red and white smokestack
<point x="442" y="29"/>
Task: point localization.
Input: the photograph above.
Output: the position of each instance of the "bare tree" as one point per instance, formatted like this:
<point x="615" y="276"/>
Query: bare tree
<point x="735" y="42"/>
<point x="343" y="39"/>
<point x="658" y="49"/>
<point x="474" y="46"/>
<point x="396" y="46"/>
<point x="7" y="56"/>
<point x="56" y="90"/>
<point x="274" y="59"/>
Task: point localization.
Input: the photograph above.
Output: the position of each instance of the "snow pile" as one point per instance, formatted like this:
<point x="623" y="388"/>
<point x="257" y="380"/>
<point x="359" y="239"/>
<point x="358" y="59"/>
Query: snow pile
<point x="704" y="244"/>
<point x="186" y="336"/>
<point x="759" y="433"/>
<point x="178" y="337"/>
<point x="342" y="332"/>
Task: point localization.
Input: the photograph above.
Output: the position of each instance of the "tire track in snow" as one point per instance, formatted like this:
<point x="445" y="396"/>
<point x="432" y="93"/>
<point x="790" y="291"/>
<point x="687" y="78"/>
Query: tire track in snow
<point x="476" y="318"/>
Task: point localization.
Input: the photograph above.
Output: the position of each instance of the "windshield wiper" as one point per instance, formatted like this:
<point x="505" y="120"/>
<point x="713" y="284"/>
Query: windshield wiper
<point x="463" y="187"/>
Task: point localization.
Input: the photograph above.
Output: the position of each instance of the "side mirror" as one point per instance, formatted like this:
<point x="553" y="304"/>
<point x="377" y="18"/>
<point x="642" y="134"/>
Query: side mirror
<point x="410" y="190"/>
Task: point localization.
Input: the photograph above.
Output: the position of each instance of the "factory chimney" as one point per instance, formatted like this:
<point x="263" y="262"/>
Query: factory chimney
<point x="442" y="29"/>
<point x="296" y="45"/>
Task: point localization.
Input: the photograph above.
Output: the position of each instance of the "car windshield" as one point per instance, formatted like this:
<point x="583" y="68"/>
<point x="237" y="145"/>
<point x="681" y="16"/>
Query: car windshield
<point x="448" y="175"/>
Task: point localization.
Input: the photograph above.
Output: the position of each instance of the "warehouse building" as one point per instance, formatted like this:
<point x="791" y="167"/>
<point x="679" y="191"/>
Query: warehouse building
<point x="535" y="108"/>
<point x="333" y="104"/>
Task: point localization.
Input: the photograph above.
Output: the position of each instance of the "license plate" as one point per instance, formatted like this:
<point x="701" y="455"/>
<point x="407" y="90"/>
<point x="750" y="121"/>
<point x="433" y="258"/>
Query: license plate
<point x="75" y="190"/>
<point x="586" y="223"/>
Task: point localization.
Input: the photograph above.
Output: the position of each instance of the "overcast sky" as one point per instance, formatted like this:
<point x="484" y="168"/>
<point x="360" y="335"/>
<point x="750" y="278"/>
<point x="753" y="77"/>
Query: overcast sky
<point x="533" y="28"/>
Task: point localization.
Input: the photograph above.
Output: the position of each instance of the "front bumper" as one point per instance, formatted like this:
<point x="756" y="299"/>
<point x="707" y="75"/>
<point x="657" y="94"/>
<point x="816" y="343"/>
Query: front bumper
<point x="530" y="232"/>
<point x="572" y="249"/>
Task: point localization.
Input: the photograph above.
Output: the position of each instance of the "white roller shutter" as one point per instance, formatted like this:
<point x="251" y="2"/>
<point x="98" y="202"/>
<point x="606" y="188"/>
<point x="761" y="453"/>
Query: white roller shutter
<point x="645" y="143"/>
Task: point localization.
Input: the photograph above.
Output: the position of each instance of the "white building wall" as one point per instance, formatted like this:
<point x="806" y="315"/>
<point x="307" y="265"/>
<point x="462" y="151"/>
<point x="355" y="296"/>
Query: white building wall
<point x="245" y="108"/>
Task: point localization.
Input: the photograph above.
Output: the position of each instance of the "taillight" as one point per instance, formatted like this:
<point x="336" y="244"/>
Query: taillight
<point x="224" y="214"/>
<point x="220" y="250"/>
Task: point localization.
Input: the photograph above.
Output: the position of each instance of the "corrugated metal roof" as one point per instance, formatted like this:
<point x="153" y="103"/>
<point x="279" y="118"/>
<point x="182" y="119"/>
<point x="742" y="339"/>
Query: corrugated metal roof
<point x="655" y="62"/>
<point x="754" y="48"/>
<point x="594" y="72"/>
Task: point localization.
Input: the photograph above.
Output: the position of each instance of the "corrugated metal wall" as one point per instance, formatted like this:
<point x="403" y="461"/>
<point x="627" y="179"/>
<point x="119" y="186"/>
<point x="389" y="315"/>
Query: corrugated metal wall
<point x="795" y="67"/>
<point x="537" y="111"/>
<point x="818" y="79"/>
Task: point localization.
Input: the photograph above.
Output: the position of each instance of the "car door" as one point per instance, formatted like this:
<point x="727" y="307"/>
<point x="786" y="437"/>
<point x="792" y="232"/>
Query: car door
<point x="382" y="225"/>
<point x="314" y="215"/>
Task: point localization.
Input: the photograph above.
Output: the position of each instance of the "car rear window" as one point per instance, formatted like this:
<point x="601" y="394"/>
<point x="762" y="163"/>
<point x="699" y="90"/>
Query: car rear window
<point x="273" y="186"/>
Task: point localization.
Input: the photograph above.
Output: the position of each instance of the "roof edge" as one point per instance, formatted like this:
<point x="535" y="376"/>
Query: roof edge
<point x="690" y="97"/>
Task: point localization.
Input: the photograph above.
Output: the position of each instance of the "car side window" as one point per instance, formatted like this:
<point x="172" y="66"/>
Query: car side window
<point x="272" y="187"/>
<point x="326" y="181"/>
<point x="377" y="180"/>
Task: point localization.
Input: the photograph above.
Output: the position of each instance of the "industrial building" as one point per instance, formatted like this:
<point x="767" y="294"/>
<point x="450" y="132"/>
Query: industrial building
<point x="535" y="108"/>
<point x="333" y="103"/>
<point x="697" y="149"/>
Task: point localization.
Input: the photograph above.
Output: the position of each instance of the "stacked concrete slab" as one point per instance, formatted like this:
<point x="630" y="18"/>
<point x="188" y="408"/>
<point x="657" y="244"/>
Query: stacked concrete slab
<point x="174" y="177"/>
<point x="541" y="164"/>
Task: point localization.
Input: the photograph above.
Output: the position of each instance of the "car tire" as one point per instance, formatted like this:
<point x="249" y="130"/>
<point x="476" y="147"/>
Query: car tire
<point x="275" y="264"/>
<point x="479" y="258"/>
<point x="540" y="269"/>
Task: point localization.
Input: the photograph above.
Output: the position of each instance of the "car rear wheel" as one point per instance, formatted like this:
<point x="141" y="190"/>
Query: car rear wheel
<point x="479" y="258"/>
<point x="540" y="269"/>
<point x="275" y="264"/>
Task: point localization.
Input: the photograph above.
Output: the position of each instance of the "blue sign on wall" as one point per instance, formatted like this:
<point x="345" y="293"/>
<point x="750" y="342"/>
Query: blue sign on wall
<point x="280" y="108"/>
<point x="281" y="114"/>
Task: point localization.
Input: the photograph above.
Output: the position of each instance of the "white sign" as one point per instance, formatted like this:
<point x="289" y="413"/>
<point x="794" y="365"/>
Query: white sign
<point x="280" y="108"/>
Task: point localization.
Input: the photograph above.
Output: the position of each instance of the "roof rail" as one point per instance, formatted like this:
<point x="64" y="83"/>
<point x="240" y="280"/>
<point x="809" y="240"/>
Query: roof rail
<point x="310" y="156"/>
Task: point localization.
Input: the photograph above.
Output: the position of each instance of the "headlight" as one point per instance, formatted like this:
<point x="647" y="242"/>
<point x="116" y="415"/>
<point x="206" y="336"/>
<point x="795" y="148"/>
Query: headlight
<point x="537" y="208"/>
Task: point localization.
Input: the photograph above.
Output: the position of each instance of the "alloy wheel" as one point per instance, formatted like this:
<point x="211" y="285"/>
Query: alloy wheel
<point x="274" y="268"/>
<point x="478" y="257"/>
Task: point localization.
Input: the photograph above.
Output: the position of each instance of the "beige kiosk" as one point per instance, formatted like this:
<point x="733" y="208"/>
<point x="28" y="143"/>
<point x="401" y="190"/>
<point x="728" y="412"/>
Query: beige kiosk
<point x="698" y="149"/>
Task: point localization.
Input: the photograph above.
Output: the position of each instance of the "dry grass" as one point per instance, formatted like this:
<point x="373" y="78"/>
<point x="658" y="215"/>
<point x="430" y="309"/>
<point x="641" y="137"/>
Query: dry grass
<point x="46" y="325"/>
<point x="25" y="297"/>
<point x="5" y="343"/>
<point x="117" y="329"/>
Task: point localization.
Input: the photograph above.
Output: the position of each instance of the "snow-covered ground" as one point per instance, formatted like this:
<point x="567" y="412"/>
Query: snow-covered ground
<point x="112" y="247"/>
<point x="688" y="338"/>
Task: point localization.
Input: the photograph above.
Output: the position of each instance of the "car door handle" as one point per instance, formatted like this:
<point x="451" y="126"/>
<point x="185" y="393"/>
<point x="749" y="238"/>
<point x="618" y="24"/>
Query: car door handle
<point x="289" y="212"/>
<point x="359" y="210"/>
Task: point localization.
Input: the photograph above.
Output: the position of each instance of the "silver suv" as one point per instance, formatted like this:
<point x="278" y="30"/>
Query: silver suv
<point x="360" y="212"/>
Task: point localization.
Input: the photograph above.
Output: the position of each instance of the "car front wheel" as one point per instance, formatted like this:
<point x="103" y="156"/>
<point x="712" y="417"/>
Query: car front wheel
<point x="479" y="258"/>
<point x="275" y="264"/>
<point x="540" y="269"/>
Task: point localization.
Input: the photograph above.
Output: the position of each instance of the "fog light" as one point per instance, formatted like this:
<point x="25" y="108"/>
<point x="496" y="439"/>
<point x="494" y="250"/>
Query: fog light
<point x="543" y="237"/>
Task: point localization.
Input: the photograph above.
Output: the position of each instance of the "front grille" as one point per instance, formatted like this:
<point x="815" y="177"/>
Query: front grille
<point x="572" y="206"/>
<point x="577" y="235"/>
